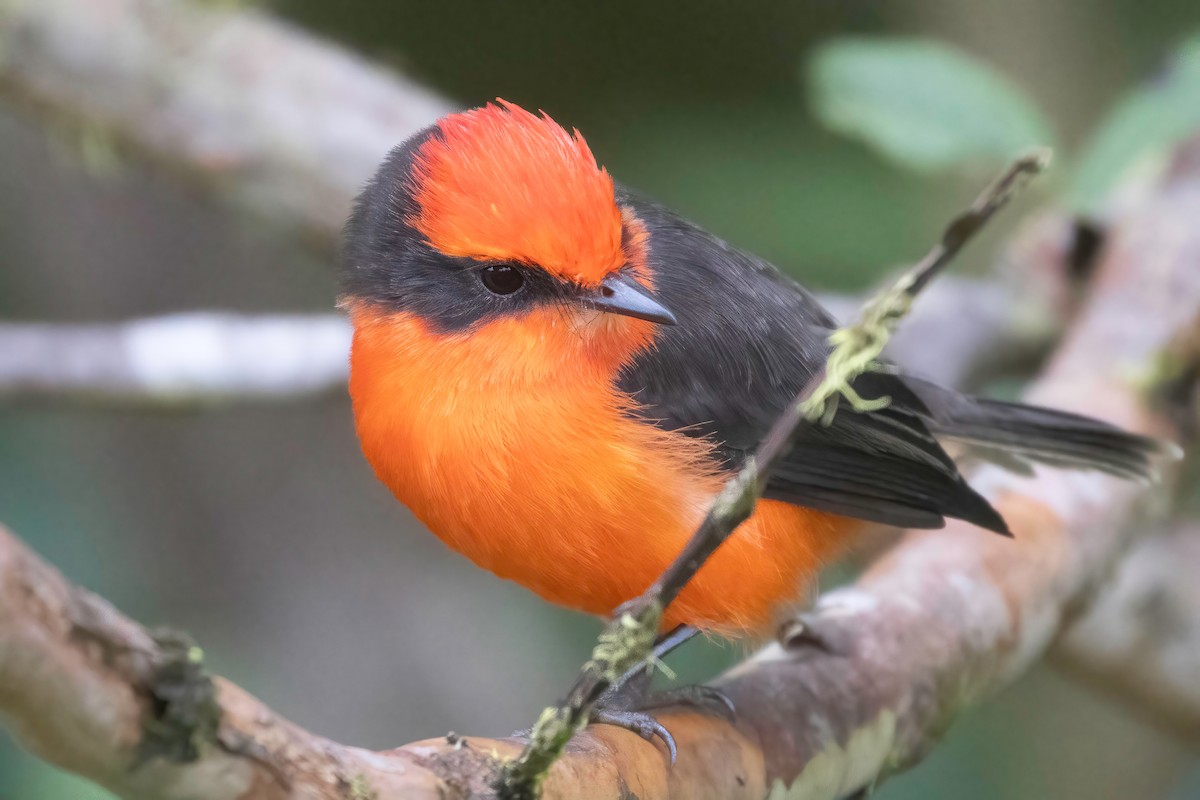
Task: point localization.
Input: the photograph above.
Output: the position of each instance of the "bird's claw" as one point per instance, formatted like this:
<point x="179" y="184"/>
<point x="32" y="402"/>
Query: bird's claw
<point x="613" y="709"/>
<point x="627" y="699"/>
<point x="638" y="722"/>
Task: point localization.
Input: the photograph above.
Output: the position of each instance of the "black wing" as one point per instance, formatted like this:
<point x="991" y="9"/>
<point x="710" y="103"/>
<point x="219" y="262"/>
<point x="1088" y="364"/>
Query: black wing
<point x="761" y="339"/>
<point x="728" y="376"/>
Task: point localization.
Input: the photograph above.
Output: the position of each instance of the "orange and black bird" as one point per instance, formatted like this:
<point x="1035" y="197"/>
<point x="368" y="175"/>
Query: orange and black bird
<point x="556" y="376"/>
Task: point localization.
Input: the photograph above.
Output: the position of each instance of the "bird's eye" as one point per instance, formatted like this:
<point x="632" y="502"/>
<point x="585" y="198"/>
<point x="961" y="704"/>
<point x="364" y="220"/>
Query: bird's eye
<point x="501" y="278"/>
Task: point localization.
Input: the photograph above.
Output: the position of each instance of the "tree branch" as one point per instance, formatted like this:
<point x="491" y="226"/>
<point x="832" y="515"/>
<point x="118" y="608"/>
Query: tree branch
<point x="629" y="637"/>
<point x="176" y="359"/>
<point x="262" y="113"/>
<point x="246" y="105"/>
<point x="1140" y="640"/>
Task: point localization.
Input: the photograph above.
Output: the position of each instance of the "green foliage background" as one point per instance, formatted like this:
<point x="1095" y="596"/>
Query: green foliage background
<point x="792" y="129"/>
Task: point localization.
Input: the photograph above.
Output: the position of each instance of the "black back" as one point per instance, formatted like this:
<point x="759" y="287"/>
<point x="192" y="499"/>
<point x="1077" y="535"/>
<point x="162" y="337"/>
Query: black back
<point x="747" y="341"/>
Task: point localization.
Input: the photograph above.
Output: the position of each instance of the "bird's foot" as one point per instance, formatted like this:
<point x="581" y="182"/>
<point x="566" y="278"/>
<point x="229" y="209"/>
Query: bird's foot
<point x="639" y="722"/>
<point x="628" y="706"/>
<point x="704" y="698"/>
<point x="627" y="702"/>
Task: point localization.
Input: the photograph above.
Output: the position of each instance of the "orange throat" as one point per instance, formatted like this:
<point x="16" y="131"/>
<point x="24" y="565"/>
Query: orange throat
<point x="511" y="443"/>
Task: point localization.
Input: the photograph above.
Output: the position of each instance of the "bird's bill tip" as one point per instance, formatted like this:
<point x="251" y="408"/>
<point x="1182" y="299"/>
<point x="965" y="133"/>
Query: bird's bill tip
<point x="620" y="294"/>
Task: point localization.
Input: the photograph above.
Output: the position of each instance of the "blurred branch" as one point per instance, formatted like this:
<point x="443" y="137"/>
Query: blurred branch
<point x="176" y="359"/>
<point x="944" y="621"/>
<point x="293" y="127"/>
<point x="1140" y="639"/>
<point x="287" y="124"/>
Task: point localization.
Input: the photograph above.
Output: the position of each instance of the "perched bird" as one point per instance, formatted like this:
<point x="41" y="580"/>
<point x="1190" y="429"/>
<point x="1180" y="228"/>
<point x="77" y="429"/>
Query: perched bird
<point x="556" y="376"/>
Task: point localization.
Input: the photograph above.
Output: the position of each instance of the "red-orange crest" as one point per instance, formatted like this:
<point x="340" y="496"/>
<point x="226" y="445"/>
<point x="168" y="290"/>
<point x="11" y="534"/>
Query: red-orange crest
<point x="500" y="183"/>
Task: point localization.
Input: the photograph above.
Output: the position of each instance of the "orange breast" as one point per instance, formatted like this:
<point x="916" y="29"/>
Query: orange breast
<point x="510" y="443"/>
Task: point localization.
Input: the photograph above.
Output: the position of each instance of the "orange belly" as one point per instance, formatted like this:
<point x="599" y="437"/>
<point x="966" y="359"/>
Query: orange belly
<point x="537" y="473"/>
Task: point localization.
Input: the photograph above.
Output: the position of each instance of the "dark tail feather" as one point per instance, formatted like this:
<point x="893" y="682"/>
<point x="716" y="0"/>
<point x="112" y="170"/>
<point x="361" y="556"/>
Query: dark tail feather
<point x="1043" y="435"/>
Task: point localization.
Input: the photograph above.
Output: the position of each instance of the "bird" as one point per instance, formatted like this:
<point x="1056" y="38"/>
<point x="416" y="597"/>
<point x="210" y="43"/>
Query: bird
<point x="557" y="375"/>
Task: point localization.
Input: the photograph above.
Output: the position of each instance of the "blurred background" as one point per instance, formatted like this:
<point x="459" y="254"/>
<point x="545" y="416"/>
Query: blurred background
<point x="260" y="529"/>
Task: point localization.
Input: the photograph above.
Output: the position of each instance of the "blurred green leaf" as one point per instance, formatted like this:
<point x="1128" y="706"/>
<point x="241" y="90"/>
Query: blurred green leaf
<point x="1144" y="122"/>
<point x="29" y="779"/>
<point x="923" y="104"/>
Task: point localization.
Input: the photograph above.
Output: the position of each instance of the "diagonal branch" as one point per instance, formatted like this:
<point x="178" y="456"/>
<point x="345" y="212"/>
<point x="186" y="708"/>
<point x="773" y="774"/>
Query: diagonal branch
<point x="629" y="638"/>
<point x="244" y="105"/>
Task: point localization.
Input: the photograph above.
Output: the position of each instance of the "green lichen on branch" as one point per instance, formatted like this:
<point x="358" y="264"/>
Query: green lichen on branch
<point x="856" y="350"/>
<point x="360" y="789"/>
<point x="626" y="642"/>
<point x="857" y="347"/>
<point x="735" y="503"/>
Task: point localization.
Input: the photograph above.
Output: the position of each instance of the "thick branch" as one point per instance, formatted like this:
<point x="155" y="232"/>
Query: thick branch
<point x="90" y="691"/>
<point x="1140" y="640"/>
<point x="287" y="124"/>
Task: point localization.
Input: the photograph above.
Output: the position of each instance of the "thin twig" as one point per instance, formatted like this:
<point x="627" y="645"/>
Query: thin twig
<point x="628" y="639"/>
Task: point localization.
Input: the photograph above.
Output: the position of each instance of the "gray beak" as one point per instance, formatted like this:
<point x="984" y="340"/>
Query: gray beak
<point x="622" y="295"/>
